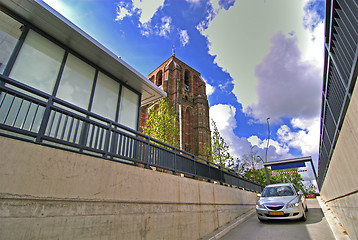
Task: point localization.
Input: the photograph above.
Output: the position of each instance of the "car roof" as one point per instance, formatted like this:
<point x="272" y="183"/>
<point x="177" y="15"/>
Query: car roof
<point x="280" y="184"/>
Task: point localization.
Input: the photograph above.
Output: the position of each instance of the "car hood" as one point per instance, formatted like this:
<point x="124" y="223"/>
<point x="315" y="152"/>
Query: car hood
<point x="277" y="200"/>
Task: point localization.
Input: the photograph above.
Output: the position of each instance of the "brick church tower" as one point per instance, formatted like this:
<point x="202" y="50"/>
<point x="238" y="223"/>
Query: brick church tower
<point x="187" y="93"/>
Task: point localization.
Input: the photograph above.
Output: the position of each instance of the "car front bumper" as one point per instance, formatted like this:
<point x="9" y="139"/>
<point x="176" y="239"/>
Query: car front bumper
<point x="285" y="213"/>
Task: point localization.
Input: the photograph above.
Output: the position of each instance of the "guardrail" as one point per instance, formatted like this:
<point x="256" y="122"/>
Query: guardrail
<point x="29" y="114"/>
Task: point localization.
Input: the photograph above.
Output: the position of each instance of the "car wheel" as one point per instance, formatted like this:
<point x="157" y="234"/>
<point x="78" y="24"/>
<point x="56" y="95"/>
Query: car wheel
<point x="304" y="217"/>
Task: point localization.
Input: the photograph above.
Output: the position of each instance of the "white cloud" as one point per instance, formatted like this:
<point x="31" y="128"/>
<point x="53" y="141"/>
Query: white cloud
<point x="311" y="17"/>
<point x="286" y="87"/>
<point x="306" y="139"/>
<point x="147" y="8"/>
<point x="193" y="1"/>
<point x="245" y="44"/>
<point x="122" y="12"/>
<point x="224" y="117"/>
<point x="184" y="37"/>
<point x="281" y="148"/>
<point x="209" y="89"/>
<point x="165" y="27"/>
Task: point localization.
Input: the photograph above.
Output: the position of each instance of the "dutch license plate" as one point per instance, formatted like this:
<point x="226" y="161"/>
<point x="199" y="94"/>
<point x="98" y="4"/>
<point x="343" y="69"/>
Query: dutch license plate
<point x="276" y="213"/>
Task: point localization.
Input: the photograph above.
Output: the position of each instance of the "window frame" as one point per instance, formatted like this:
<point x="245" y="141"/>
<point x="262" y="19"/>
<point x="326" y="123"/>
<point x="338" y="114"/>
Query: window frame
<point x="28" y="26"/>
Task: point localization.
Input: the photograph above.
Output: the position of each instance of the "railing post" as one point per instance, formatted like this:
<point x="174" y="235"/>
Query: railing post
<point x="175" y="161"/>
<point x="148" y="153"/>
<point x="106" y="142"/>
<point x="44" y="121"/>
<point x="207" y="162"/>
<point x="195" y="167"/>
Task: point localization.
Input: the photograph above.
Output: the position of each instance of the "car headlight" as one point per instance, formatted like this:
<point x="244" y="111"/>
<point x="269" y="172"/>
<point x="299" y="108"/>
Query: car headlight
<point x="260" y="205"/>
<point x="292" y="205"/>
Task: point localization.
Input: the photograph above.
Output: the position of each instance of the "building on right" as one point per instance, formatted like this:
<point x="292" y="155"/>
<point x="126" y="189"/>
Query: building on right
<point x="338" y="153"/>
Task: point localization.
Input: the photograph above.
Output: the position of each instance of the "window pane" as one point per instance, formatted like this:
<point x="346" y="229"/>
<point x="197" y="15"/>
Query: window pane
<point x="105" y="97"/>
<point x="9" y="34"/>
<point x="128" y="115"/>
<point x="38" y="62"/>
<point x="76" y="82"/>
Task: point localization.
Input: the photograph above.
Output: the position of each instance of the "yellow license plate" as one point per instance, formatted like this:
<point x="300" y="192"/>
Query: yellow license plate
<point x="276" y="213"/>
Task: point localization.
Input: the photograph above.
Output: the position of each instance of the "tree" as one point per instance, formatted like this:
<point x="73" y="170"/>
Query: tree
<point x="220" y="150"/>
<point x="311" y="189"/>
<point x="162" y="123"/>
<point x="294" y="178"/>
<point x="251" y="162"/>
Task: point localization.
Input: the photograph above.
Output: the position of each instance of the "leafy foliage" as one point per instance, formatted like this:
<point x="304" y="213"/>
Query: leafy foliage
<point x="162" y="123"/>
<point x="220" y="150"/>
<point x="251" y="162"/>
<point x="250" y="166"/>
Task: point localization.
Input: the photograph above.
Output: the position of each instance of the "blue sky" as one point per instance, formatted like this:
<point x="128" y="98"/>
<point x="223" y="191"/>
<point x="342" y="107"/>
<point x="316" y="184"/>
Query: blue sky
<point x="260" y="58"/>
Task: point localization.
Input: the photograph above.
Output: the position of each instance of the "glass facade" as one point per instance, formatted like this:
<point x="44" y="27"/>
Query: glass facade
<point x="49" y="67"/>
<point x="38" y="63"/>
<point x="10" y="31"/>
<point x="106" y="97"/>
<point x="128" y="111"/>
<point x="76" y="82"/>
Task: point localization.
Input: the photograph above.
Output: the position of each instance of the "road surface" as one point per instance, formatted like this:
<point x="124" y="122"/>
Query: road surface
<point x="315" y="228"/>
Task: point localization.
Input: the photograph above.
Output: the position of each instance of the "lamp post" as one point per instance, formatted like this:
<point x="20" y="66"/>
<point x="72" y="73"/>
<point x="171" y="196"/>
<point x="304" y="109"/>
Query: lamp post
<point x="268" y="140"/>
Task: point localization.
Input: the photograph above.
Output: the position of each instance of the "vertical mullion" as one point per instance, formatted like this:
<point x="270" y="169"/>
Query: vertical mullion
<point x="47" y="113"/>
<point x="93" y="91"/>
<point x="118" y="103"/>
<point x="16" y="51"/>
<point x="59" y="75"/>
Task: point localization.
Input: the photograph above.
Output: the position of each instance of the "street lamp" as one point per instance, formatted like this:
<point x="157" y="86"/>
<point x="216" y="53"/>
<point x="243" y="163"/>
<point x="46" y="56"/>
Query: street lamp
<point x="268" y="140"/>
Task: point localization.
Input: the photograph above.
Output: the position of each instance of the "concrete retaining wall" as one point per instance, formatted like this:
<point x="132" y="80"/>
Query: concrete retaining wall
<point x="47" y="193"/>
<point x="340" y="187"/>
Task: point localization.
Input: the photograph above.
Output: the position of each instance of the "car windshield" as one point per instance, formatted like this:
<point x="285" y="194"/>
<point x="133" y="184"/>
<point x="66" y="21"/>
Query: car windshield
<point x="278" y="191"/>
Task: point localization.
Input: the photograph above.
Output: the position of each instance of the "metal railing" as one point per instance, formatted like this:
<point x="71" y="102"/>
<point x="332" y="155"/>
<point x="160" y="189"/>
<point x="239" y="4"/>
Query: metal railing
<point x="340" y="74"/>
<point x="32" y="115"/>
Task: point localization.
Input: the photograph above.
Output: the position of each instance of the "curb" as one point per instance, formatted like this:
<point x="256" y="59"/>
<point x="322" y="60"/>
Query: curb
<point x="336" y="227"/>
<point x="229" y="226"/>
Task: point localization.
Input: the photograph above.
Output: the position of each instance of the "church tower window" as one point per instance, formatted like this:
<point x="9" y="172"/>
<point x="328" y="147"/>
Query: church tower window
<point x="160" y="78"/>
<point x="187" y="80"/>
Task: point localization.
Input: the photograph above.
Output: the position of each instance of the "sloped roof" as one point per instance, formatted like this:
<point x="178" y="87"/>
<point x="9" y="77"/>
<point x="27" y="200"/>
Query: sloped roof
<point x="48" y="20"/>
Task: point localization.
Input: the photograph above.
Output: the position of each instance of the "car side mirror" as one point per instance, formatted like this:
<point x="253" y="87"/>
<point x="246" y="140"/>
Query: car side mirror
<point x="259" y="195"/>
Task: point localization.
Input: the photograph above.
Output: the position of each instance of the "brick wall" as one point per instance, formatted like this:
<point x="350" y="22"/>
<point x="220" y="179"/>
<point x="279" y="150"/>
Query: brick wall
<point x="184" y="88"/>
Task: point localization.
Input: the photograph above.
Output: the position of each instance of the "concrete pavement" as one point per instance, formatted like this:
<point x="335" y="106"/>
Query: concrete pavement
<point x="249" y="227"/>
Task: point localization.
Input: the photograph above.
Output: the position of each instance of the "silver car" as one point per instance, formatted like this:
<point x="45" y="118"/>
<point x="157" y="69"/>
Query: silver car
<point x="281" y="201"/>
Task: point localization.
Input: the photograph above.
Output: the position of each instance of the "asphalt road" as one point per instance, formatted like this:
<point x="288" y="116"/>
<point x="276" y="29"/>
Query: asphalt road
<point x="315" y="228"/>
